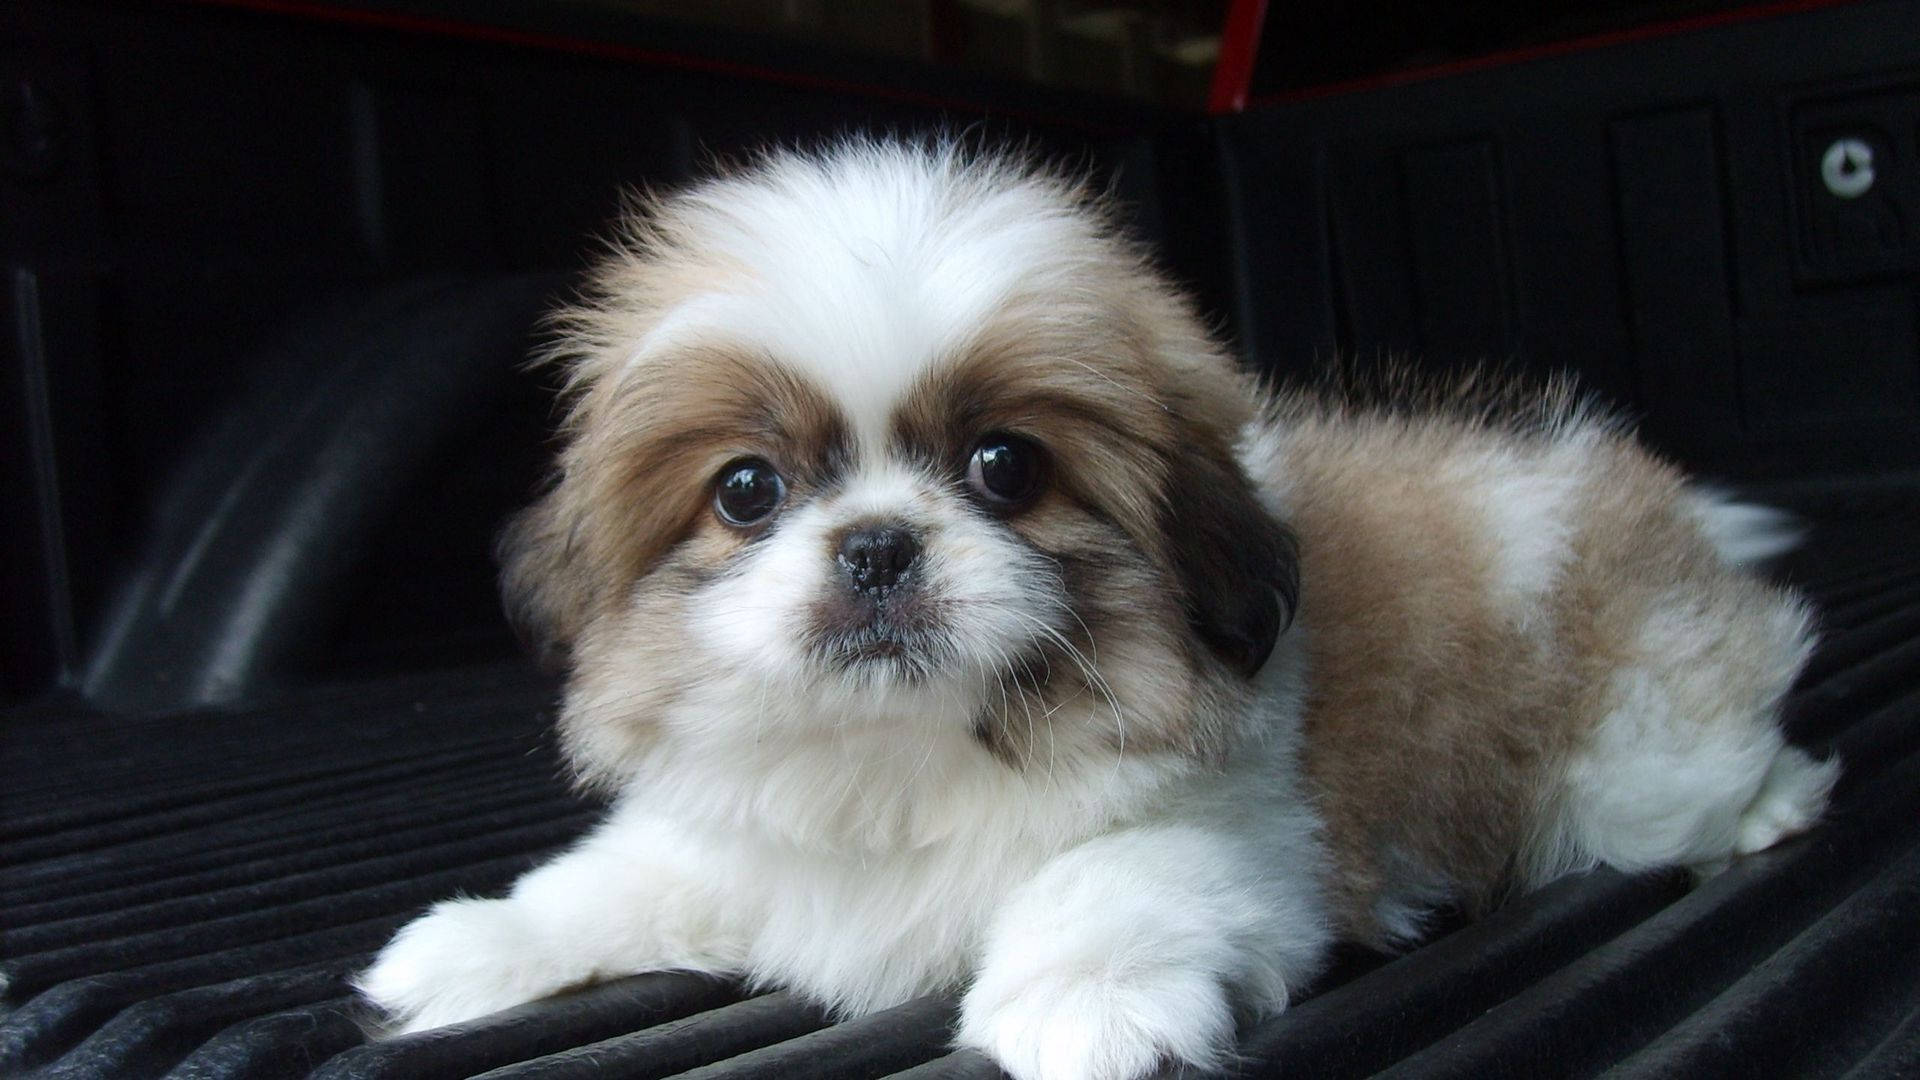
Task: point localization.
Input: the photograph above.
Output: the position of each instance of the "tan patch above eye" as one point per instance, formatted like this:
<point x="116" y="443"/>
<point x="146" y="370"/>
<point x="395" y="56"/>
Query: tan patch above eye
<point x="753" y="406"/>
<point x="1106" y="437"/>
<point x="639" y="476"/>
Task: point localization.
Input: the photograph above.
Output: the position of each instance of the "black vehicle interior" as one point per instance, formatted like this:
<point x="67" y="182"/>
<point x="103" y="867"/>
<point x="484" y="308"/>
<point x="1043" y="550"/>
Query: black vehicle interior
<point x="272" y="271"/>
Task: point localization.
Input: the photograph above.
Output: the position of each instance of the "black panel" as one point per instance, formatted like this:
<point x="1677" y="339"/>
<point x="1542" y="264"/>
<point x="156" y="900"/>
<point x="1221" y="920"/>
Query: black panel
<point x="1457" y="219"/>
<point x="1649" y="214"/>
<point x="1310" y="43"/>
<point x="1673" y="248"/>
<point x="1857" y="190"/>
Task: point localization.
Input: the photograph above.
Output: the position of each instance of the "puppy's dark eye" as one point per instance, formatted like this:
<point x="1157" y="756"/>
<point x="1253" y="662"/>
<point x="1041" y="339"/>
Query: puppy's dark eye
<point x="1004" y="470"/>
<point x="747" y="491"/>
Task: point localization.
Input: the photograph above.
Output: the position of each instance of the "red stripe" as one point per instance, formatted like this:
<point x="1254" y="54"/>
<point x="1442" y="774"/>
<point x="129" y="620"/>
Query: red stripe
<point x="437" y="26"/>
<point x="1239" y="49"/>
<point x="1550" y="49"/>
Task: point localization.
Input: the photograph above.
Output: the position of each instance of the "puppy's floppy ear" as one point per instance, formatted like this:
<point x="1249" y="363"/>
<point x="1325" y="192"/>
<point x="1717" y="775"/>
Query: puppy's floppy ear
<point x="1238" y="568"/>
<point x="544" y="585"/>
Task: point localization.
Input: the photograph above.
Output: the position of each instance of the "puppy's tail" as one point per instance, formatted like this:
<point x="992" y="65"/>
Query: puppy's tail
<point x="1745" y="534"/>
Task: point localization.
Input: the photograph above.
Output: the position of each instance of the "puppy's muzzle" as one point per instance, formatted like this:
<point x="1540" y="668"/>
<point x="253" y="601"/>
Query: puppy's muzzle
<point x="876" y="558"/>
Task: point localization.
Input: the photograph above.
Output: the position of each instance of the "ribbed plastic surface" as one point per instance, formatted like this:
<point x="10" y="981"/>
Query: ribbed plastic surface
<point x="185" y="896"/>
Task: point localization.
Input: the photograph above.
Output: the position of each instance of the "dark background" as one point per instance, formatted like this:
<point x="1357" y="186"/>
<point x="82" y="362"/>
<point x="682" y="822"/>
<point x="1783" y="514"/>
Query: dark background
<point x="229" y="229"/>
<point x="271" y="269"/>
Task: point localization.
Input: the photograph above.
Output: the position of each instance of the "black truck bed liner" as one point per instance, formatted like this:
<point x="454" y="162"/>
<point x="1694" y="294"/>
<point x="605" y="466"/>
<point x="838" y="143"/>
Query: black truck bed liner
<point x="187" y="894"/>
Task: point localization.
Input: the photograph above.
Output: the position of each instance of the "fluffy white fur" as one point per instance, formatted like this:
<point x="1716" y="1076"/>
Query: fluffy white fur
<point x="1677" y="773"/>
<point x="1104" y="907"/>
<point x="1095" y="957"/>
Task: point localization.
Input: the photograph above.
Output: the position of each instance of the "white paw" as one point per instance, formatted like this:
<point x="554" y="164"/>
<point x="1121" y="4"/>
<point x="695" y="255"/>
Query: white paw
<point x="464" y="958"/>
<point x="1104" y="1025"/>
<point x="1789" y="801"/>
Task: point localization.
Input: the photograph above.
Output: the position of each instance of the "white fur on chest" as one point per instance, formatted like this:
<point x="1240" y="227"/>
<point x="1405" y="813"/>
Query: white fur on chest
<point x="865" y="867"/>
<point x="864" y="881"/>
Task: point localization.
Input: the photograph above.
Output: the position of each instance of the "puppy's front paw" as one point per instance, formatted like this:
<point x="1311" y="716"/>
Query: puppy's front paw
<point x="464" y="958"/>
<point x="1097" y="1025"/>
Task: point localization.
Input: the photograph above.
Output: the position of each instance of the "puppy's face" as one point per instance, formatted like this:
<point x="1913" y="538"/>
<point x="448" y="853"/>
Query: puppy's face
<point x="888" y="442"/>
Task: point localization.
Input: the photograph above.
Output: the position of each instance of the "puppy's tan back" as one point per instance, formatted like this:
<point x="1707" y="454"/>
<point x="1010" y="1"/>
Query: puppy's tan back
<point x="1527" y="653"/>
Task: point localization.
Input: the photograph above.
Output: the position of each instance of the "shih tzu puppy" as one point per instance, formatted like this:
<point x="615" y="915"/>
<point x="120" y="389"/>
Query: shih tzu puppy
<point x="946" y="610"/>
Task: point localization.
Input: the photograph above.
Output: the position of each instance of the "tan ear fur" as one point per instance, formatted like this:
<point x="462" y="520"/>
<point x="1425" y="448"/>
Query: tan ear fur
<point x="546" y="593"/>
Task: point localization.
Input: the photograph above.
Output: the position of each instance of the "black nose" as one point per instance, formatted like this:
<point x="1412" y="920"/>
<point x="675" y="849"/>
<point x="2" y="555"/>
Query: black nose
<point x="876" y="557"/>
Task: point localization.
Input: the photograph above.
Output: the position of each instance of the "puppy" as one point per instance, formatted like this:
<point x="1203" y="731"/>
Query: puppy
<point x="928" y="582"/>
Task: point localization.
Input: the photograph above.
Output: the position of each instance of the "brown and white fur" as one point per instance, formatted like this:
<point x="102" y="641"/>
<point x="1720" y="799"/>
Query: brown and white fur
<point x="1517" y="617"/>
<point x="1076" y="753"/>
